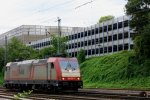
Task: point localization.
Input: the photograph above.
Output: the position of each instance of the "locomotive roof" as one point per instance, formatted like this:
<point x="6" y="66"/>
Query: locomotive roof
<point x="35" y="61"/>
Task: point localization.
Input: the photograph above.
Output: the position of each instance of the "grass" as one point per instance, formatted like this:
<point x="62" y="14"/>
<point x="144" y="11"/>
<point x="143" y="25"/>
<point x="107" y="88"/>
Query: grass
<point x="135" y="83"/>
<point x="23" y="95"/>
<point x="115" y="71"/>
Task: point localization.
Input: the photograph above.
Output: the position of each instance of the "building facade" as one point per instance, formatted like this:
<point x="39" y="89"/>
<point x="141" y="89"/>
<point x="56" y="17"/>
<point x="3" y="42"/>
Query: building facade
<point x="26" y="33"/>
<point x="102" y="38"/>
<point x="99" y="39"/>
<point x="30" y="33"/>
<point x="45" y="42"/>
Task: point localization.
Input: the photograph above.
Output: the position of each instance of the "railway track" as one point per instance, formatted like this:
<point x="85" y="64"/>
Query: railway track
<point x="83" y="94"/>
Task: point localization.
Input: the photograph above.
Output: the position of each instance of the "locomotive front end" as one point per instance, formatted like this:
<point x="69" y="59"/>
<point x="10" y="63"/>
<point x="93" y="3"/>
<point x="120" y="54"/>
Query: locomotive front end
<point x="70" y="74"/>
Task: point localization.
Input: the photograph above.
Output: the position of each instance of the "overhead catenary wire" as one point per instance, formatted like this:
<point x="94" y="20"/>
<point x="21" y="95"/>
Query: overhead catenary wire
<point x="48" y="18"/>
<point x="58" y="6"/>
<point x="84" y="4"/>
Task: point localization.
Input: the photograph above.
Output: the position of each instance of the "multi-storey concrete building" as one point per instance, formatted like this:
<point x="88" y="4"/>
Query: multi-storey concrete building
<point x="45" y="42"/>
<point x="29" y="33"/>
<point x="102" y="38"/>
<point x="99" y="39"/>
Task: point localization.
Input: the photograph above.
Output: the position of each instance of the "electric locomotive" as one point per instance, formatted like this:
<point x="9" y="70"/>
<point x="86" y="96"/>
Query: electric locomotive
<point x="54" y="73"/>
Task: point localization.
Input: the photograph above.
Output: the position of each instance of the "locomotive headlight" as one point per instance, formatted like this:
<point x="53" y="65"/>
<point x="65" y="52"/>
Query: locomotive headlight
<point x="63" y="78"/>
<point x="78" y="78"/>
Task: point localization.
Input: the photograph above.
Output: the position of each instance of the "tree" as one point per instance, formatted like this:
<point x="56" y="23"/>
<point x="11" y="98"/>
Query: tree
<point x="139" y="11"/>
<point x="52" y="49"/>
<point x="46" y="52"/>
<point x="18" y="50"/>
<point x="62" y="43"/>
<point x="106" y="18"/>
<point x="1" y="58"/>
<point x="81" y="56"/>
<point x="146" y="41"/>
<point x="142" y="43"/>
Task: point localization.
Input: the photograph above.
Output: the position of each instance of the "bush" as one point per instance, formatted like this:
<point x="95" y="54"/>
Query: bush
<point x="115" y="70"/>
<point x="81" y="56"/>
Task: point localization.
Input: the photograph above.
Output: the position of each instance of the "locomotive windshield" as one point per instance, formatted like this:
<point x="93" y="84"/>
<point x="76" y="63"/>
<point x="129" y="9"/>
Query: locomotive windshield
<point x="69" y="65"/>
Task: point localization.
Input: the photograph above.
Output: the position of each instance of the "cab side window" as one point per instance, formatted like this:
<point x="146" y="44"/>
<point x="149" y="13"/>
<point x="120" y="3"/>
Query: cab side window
<point x="52" y="65"/>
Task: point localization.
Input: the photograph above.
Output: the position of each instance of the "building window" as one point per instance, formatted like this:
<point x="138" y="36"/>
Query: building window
<point x="85" y="33"/>
<point x="126" y="35"/>
<point x="105" y="28"/>
<point x="125" y="46"/>
<point x="100" y="29"/>
<point x="89" y="32"/>
<point x="115" y="37"/>
<point x="120" y="47"/>
<point x="75" y="55"/>
<point x="89" y="52"/>
<point x="69" y="46"/>
<point x="114" y="48"/>
<point x="89" y="42"/>
<point x="75" y="36"/>
<point x="75" y="45"/>
<point x="100" y="40"/>
<point x="120" y="36"/>
<point x="105" y="39"/>
<point x="110" y="49"/>
<point x="93" y="32"/>
<point x="115" y="26"/>
<point x="120" y="25"/>
<point x="69" y="54"/>
<point x="109" y="27"/>
<point x="44" y="43"/>
<point x="97" y="50"/>
<point x="82" y="44"/>
<point x="82" y="34"/>
<point x="78" y="44"/>
<point x="126" y="23"/>
<point x="93" y="51"/>
<point x="49" y="42"/>
<point x="105" y="49"/>
<point x="96" y="41"/>
<point x="93" y="41"/>
<point x="101" y="50"/>
<point x="109" y="38"/>
<point x="96" y="30"/>
<point x="78" y="35"/>
<point x="85" y="43"/>
<point x="70" y="37"/>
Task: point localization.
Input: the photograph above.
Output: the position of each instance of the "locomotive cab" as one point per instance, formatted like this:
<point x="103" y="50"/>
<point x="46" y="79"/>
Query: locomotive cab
<point x="68" y="72"/>
<point x="71" y="77"/>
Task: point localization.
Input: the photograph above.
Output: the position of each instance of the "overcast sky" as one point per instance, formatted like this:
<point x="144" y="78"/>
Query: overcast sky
<point x="14" y="13"/>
